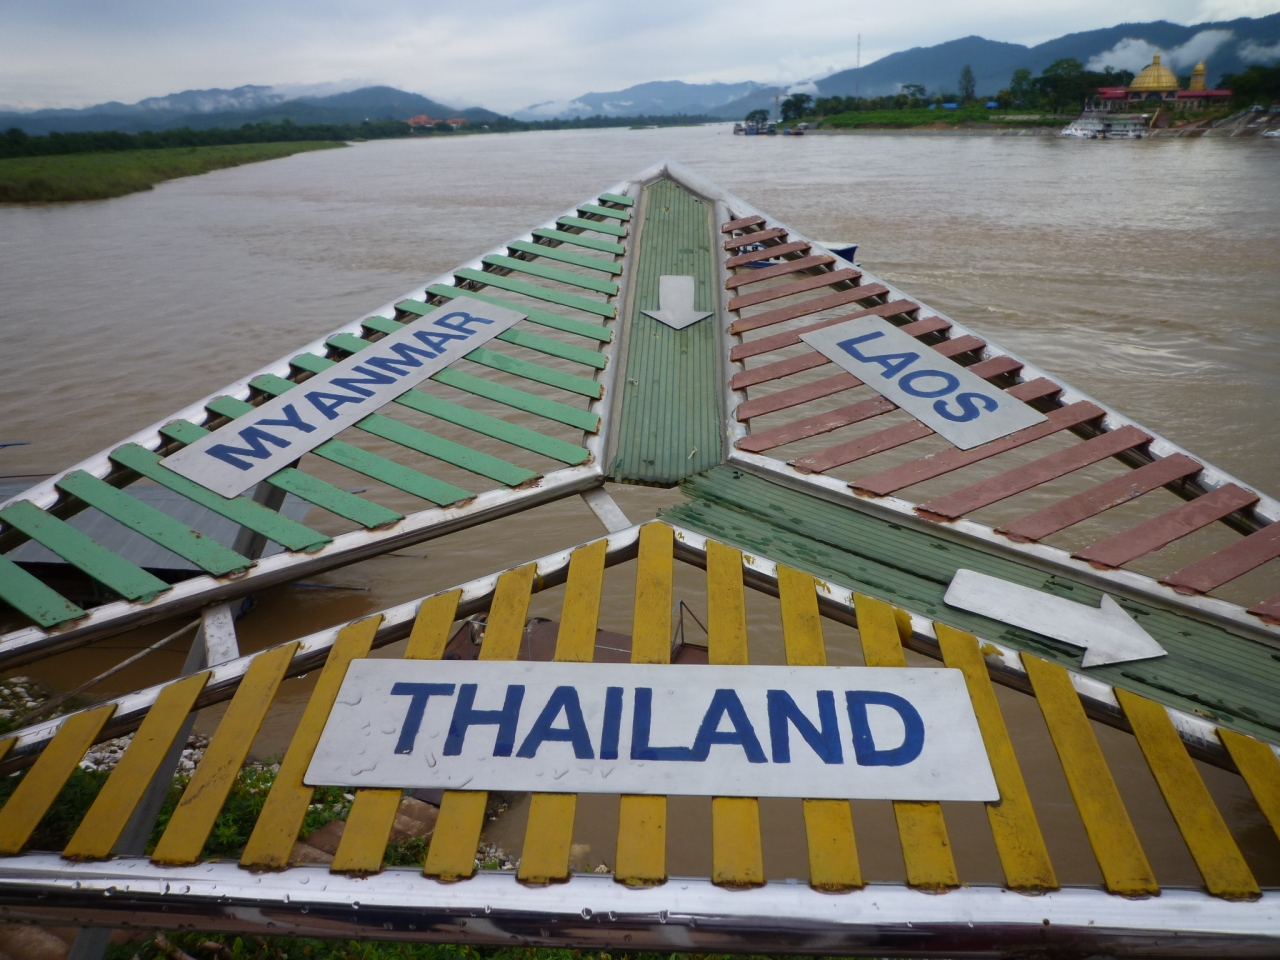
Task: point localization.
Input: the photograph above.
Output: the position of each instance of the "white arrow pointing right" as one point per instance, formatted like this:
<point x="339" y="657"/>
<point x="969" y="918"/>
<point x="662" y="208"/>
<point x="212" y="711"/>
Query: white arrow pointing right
<point x="1107" y="633"/>
<point x="675" y="302"/>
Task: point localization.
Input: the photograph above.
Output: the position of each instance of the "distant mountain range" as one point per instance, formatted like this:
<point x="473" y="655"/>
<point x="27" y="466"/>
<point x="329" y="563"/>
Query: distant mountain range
<point x="1226" y="46"/>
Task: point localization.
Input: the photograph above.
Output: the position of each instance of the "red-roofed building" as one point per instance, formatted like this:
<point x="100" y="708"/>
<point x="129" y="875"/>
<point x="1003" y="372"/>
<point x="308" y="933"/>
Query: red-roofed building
<point x="421" y="120"/>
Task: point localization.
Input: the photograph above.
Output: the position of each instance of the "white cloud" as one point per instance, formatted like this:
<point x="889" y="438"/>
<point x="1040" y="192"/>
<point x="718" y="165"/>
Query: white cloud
<point x="1251" y="52"/>
<point x="808" y="87"/>
<point x="1133" y="54"/>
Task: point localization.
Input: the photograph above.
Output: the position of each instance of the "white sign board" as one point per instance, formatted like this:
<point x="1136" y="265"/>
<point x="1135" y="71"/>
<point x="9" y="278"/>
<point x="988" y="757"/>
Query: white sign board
<point x="233" y="458"/>
<point x="956" y="404"/>
<point x="837" y="732"/>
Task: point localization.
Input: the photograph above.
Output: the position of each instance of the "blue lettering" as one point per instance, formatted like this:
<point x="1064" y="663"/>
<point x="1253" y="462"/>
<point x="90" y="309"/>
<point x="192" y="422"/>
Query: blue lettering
<point x="466" y="716"/>
<point x="562" y="700"/>
<point x="968" y="411"/>
<point x="318" y="399"/>
<point x="725" y="703"/>
<point x="403" y="351"/>
<point x="641" y="720"/>
<point x="254" y="438"/>
<point x="612" y="723"/>
<point x="420" y="694"/>
<point x="907" y="383"/>
<point x="893" y="363"/>
<point x="354" y="383"/>
<point x="783" y="710"/>
<point x="291" y="419"/>
<point x="436" y="341"/>
<point x="864" y="745"/>
<point x="461" y="326"/>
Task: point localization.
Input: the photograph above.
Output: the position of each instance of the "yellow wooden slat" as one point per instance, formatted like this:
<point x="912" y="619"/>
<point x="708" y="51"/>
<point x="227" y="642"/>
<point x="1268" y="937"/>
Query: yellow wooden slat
<point x="548" y="836"/>
<point x="452" y="854"/>
<point x="1260" y="768"/>
<point x="737" y="857"/>
<point x="6" y="745"/>
<point x="1206" y="834"/>
<point x="202" y="801"/>
<point x="277" y="828"/>
<point x="828" y="824"/>
<point x="373" y="812"/>
<point x="641" y="855"/>
<point x="124" y="789"/>
<point x="39" y="788"/>
<point x="922" y="830"/>
<point x="726" y="605"/>
<point x="1014" y="826"/>
<point x="1124" y="865"/>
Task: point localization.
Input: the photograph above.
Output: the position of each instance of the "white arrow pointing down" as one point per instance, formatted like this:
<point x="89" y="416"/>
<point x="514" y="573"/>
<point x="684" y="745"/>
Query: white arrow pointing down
<point x="1107" y="633"/>
<point x="675" y="302"/>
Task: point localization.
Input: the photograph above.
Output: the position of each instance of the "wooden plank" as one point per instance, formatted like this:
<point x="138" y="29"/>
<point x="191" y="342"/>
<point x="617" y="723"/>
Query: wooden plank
<point x="955" y="346"/>
<point x="777" y="292"/>
<point x="452" y="853"/>
<point x="770" y="251"/>
<point x="83" y="552"/>
<point x="473" y="461"/>
<point x="741" y="223"/>
<point x="591" y="389"/>
<point x="543" y="318"/>
<point x="814" y="305"/>
<point x="493" y="427"/>
<point x="106" y="819"/>
<point x="274" y="526"/>
<point x="833" y="850"/>
<point x="922" y="831"/>
<point x="41" y="785"/>
<point x="1257" y="763"/>
<point x="757" y="236"/>
<point x="815" y="426"/>
<point x="607" y="212"/>
<point x="994" y="489"/>
<point x="862" y="447"/>
<point x="618" y="198"/>
<point x="1100" y="498"/>
<point x="794" y="396"/>
<point x="1014" y="826"/>
<point x="276" y="830"/>
<point x="391" y="473"/>
<point x="596" y="226"/>
<point x="1124" y="865"/>
<point x="776" y="341"/>
<point x="537" y="292"/>
<point x="32" y="598"/>
<point x="548" y="252"/>
<point x="783" y="269"/>
<point x="373" y="812"/>
<point x="202" y="800"/>
<point x="1268" y="609"/>
<point x="520" y="400"/>
<point x="737" y="853"/>
<point x="1230" y="562"/>
<point x="578" y="240"/>
<point x="205" y="552"/>
<point x="945" y="461"/>
<point x="1212" y="847"/>
<point x="607" y="287"/>
<point x="988" y="369"/>
<point x="1031" y="390"/>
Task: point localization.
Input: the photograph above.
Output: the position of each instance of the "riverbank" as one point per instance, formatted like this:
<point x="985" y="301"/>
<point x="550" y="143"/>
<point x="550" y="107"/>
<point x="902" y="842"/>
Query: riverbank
<point x="100" y="176"/>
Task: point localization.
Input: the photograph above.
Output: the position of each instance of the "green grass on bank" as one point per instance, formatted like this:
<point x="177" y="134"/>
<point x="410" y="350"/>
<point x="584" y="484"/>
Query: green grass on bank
<point x="99" y="176"/>
<point x="902" y="119"/>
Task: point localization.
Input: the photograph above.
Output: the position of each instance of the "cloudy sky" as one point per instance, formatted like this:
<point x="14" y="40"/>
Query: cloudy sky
<point x="501" y="54"/>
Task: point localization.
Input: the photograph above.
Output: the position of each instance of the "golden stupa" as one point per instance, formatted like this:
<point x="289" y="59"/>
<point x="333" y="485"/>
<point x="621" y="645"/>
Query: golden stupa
<point x="1154" y="79"/>
<point x="1197" y="77"/>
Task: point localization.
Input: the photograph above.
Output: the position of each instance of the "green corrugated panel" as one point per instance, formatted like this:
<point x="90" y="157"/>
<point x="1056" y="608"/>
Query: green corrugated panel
<point x="1209" y="671"/>
<point x="670" y="422"/>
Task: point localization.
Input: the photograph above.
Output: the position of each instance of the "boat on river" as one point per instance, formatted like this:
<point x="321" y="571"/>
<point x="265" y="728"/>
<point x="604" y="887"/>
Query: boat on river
<point x="839" y="445"/>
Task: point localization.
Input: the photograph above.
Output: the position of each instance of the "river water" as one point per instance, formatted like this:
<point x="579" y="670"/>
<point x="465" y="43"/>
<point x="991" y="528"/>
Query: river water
<point x="1146" y="273"/>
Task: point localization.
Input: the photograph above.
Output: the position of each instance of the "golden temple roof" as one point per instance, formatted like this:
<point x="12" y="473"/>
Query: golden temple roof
<point x="1154" y="79"/>
<point x="1197" y="77"/>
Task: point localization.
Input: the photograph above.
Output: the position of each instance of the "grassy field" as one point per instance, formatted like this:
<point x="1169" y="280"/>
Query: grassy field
<point x="901" y="119"/>
<point x="99" y="176"/>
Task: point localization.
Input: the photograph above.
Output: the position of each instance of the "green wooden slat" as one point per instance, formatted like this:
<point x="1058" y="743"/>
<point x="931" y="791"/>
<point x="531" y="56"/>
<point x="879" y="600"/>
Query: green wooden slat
<point x="381" y="324"/>
<point x="528" y="402"/>
<point x="521" y="338"/>
<point x="578" y="240"/>
<point x="565" y="256"/>
<point x="598" y="226"/>
<point x="541" y="317"/>
<point x="607" y="287"/>
<point x="406" y="436"/>
<point x="537" y="373"/>
<point x="391" y="473"/>
<point x="618" y="199"/>
<point x="83" y="552"/>
<point x="600" y="211"/>
<point x="229" y="407"/>
<point x="205" y="552"/>
<point x="523" y="287"/>
<point x="274" y="526"/>
<point x="292" y="480"/>
<point x="28" y="595"/>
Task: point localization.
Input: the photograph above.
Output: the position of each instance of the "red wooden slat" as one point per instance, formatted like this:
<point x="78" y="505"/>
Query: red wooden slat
<point x="1002" y="486"/>
<point x="987" y="369"/>
<point x="784" y="399"/>
<point x="777" y="270"/>
<point x="827" y="279"/>
<point x="863" y="447"/>
<point x="1161" y="531"/>
<point x="958" y="345"/>
<point x="775" y="371"/>
<point x="770" y="251"/>
<point x="792" y="311"/>
<point x="1096" y="500"/>
<point x="918" y="328"/>
<point x="1036" y="389"/>
<point x="741" y="224"/>
<point x="758" y="236"/>
<point x="1225" y="565"/>
<point x="815" y="425"/>
<point x="1268" y="609"/>
<point x="753" y="348"/>
<point x="944" y="461"/>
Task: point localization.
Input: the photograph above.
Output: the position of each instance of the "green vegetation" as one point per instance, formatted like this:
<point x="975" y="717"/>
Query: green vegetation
<point x="98" y="176"/>
<point x="1256" y="86"/>
<point x="923" y="116"/>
